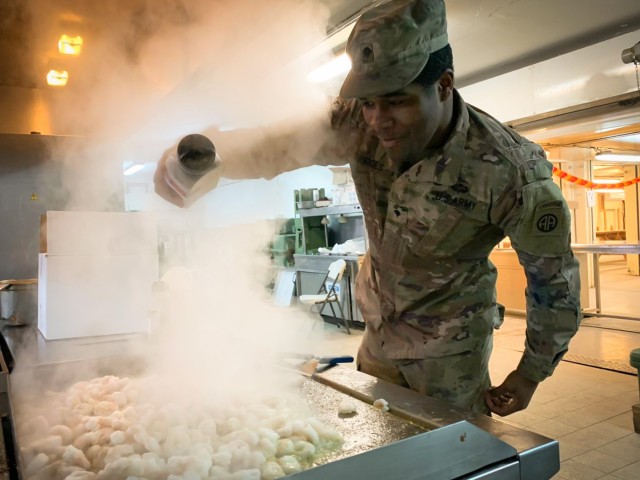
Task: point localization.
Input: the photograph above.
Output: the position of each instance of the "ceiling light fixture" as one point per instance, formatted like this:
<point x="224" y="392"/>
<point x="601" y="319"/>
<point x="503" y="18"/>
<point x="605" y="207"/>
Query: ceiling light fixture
<point x="57" y="78"/>
<point x="133" y="169"/>
<point x="70" y="45"/>
<point x="618" y="157"/>
<point x="338" y="66"/>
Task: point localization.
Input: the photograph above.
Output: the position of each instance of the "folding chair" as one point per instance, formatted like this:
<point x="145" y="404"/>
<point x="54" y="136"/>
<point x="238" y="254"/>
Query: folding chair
<point x="329" y="296"/>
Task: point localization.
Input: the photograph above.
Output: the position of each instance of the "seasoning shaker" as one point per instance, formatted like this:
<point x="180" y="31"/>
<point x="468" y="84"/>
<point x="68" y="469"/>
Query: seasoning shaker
<point x="191" y="169"/>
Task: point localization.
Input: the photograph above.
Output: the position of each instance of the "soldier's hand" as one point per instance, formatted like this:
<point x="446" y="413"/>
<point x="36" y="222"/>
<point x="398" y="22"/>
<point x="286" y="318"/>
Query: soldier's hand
<point x="512" y="396"/>
<point x="160" y="185"/>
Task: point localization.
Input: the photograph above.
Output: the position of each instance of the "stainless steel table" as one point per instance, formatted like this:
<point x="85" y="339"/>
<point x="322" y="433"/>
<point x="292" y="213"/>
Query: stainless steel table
<point x="596" y="251"/>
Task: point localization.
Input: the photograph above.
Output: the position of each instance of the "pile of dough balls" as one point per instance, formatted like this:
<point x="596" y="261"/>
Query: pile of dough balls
<point x="111" y="428"/>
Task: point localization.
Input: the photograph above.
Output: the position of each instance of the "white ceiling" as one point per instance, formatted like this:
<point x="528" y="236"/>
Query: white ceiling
<point x="492" y="37"/>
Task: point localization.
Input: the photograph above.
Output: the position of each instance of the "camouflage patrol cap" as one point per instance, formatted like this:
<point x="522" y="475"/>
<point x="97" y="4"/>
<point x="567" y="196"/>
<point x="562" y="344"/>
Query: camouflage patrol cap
<point x="390" y="45"/>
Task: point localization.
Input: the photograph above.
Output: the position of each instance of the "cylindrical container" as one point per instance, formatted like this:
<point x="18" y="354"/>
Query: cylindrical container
<point x="191" y="168"/>
<point x="19" y="303"/>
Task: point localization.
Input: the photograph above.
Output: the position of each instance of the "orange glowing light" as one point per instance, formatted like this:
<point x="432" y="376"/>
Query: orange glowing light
<point x="57" y="78"/>
<point x="70" y="45"/>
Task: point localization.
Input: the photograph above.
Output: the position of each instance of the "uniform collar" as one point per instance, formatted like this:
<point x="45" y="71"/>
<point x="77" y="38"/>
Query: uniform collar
<point x="443" y="165"/>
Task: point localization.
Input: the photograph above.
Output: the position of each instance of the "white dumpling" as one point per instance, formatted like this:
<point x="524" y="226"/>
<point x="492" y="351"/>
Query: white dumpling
<point x="74" y="456"/>
<point x="81" y="476"/>
<point x="290" y="464"/>
<point x="272" y="471"/>
<point x="177" y="441"/>
<point x="284" y="447"/>
<point x="51" y="445"/>
<point x="36" y="425"/>
<point x="64" y="432"/>
<point x="117" y="438"/>
<point x="81" y="410"/>
<point x="267" y="447"/>
<point x="311" y="435"/>
<point x="92" y="452"/>
<point x="208" y="427"/>
<point x="222" y="459"/>
<point x="36" y="464"/>
<point x="218" y="472"/>
<point x="116" y="469"/>
<point x="119" y="398"/>
<point x="304" y="449"/>
<point x="178" y="464"/>
<point x="153" y="465"/>
<point x="118" y="452"/>
<point x="381" y="404"/>
<point x="65" y="470"/>
<point x="105" y="408"/>
<point x="249" y="474"/>
<point x="347" y="406"/>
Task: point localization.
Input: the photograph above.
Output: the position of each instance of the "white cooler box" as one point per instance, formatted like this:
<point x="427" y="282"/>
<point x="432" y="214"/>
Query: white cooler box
<point x="97" y="275"/>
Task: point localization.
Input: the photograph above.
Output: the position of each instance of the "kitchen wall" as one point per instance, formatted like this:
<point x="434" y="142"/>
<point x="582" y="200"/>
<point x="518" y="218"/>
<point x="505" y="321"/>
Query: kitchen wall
<point x="40" y="173"/>
<point x="233" y="202"/>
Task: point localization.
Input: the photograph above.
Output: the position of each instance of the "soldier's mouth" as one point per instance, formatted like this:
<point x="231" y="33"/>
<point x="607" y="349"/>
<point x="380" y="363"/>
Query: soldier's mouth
<point x="389" y="142"/>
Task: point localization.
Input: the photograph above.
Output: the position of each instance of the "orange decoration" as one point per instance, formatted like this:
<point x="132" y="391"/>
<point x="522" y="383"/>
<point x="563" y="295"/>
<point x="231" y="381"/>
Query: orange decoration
<point x="589" y="184"/>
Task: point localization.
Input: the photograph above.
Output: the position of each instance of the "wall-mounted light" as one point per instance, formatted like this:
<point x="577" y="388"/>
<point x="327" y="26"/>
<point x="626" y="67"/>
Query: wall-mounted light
<point x="618" y="157"/>
<point x="57" y="78"/>
<point x="631" y="54"/>
<point x="70" y="45"/>
<point x="133" y="169"/>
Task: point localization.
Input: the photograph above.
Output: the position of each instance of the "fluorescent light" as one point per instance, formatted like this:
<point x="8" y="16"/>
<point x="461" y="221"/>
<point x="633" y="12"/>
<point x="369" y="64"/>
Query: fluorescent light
<point x="70" y="45"/>
<point x="338" y="66"/>
<point x="608" y="190"/>
<point x="133" y="169"/>
<point x="57" y="78"/>
<point x="618" y="157"/>
<point x="629" y="138"/>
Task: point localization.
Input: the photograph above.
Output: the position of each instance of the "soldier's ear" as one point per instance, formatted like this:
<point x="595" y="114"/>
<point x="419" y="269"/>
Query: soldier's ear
<point x="445" y="84"/>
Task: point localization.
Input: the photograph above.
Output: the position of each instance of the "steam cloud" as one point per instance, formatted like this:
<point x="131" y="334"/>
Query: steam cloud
<point x="151" y="72"/>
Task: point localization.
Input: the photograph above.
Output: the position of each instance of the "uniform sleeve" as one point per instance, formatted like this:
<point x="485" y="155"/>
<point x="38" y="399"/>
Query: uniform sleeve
<point x="322" y="138"/>
<point x="539" y="226"/>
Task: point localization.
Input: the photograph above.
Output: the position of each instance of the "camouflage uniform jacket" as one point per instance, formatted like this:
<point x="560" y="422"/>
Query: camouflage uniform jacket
<point x="427" y="288"/>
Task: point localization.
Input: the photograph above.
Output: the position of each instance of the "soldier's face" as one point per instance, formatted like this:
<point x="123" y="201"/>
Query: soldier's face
<point x="407" y="121"/>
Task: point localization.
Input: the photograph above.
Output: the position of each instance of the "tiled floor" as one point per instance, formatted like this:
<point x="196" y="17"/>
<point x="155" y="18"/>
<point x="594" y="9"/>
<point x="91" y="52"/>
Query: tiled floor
<point x="587" y="409"/>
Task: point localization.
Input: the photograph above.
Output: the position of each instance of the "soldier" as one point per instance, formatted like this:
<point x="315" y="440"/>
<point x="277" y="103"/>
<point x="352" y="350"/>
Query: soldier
<point x="440" y="184"/>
